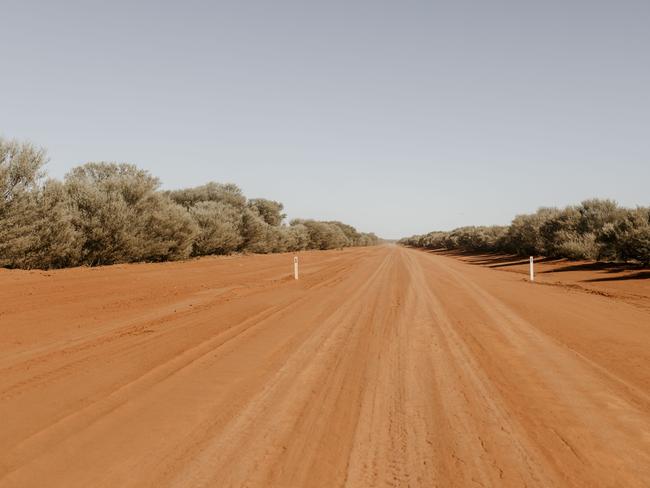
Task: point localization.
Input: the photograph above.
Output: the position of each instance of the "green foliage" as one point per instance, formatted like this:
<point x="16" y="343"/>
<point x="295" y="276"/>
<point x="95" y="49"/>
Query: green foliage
<point x="324" y="235"/>
<point x="574" y="245"/>
<point x="524" y="236"/>
<point x="595" y="229"/>
<point x="210" y="192"/>
<point x="104" y="213"/>
<point x="297" y="237"/>
<point x="367" y="239"/>
<point x="269" y="211"/>
<point x="219" y="228"/>
<point x="166" y="231"/>
<point x="21" y="167"/>
<point x="122" y="217"/>
<point x="49" y="238"/>
<point x="22" y="226"/>
<point x="255" y="233"/>
<point x="629" y="236"/>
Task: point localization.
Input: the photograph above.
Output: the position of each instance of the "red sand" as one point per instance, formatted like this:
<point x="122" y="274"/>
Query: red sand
<point x="380" y="367"/>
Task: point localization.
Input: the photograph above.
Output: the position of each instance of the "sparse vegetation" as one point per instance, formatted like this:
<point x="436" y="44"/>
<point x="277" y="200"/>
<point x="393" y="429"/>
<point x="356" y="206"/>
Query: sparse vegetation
<point x="105" y="213"/>
<point x="595" y="229"/>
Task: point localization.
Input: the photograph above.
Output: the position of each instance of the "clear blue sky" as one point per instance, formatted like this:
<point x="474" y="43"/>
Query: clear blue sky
<point x="399" y="117"/>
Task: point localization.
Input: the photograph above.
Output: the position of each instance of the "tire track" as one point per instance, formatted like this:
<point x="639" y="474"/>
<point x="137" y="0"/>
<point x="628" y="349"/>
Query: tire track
<point x="579" y="397"/>
<point x="380" y="367"/>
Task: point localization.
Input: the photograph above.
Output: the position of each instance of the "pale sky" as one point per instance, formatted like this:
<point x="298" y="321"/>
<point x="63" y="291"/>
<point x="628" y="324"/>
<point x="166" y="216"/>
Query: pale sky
<point x="398" y="117"/>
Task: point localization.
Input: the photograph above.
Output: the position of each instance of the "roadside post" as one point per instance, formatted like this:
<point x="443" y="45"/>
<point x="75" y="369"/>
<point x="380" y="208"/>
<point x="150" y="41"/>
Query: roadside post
<point x="295" y="267"/>
<point x="532" y="271"/>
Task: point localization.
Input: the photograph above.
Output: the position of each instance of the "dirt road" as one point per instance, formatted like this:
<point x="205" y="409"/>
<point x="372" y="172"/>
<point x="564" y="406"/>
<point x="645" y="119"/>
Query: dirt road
<point x="379" y="367"/>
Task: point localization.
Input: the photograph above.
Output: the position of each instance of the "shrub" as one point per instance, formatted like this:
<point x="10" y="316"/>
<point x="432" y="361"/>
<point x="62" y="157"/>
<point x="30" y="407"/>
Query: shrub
<point x="524" y="236"/>
<point x="573" y="245"/>
<point x="21" y="222"/>
<point x="595" y="229"/>
<point x="629" y="236"/>
<point x="210" y="192"/>
<point x="219" y="228"/>
<point x="573" y="231"/>
<point x="254" y="233"/>
<point x="350" y="233"/>
<point x="122" y="218"/>
<point x="367" y="239"/>
<point x="269" y="211"/>
<point x="297" y="236"/>
<point x="324" y="235"/>
<point x="50" y="238"/>
<point x="106" y="213"/>
<point x="105" y="197"/>
<point x="21" y="168"/>
<point x="166" y="231"/>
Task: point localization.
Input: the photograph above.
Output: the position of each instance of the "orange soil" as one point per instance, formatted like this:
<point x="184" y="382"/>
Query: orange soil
<point x="380" y="367"/>
<point x="625" y="282"/>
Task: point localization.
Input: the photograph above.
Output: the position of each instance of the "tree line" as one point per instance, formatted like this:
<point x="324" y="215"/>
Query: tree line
<point x="596" y="229"/>
<point x="106" y="213"/>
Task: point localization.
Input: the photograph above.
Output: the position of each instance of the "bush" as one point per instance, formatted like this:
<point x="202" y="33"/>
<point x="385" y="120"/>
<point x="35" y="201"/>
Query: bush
<point x="21" y="166"/>
<point x="268" y="210"/>
<point x="297" y="237"/>
<point x="524" y="236"/>
<point x="50" y="239"/>
<point x="106" y="213"/>
<point x="219" y="228"/>
<point x="573" y="245"/>
<point x="324" y="235"/>
<point x="210" y="192"/>
<point x="573" y="231"/>
<point x="629" y="236"/>
<point x="254" y="233"/>
<point x="595" y="229"/>
<point x="21" y="222"/>
<point x="367" y="239"/>
<point x="123" y="219"/>
<point x="167" y="231"/>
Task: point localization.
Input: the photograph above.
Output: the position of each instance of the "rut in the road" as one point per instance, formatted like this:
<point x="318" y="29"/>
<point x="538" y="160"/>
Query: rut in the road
<point x="379" y="367"/>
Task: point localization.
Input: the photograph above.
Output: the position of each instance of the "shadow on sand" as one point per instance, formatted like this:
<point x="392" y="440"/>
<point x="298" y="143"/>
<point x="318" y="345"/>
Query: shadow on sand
<point x="504" y="260"/>
<point x="600" y="266"/>
<point x="640" y="275"/>
<point x="490" y="260"/>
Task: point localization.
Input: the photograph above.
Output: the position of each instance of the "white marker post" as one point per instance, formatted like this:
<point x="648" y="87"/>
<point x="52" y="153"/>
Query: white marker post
<point x="532" y="271"/>
<point x="295" y="267"/>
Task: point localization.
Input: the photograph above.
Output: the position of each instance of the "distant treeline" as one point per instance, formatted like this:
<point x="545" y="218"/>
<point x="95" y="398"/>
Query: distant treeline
<point x="105" y="213"/>
<point x="595" y="229"/>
